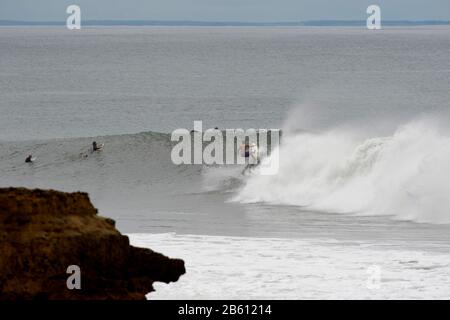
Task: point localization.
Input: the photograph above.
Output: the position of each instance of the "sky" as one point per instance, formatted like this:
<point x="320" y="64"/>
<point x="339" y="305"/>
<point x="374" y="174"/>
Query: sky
<point x="224" y="10"/>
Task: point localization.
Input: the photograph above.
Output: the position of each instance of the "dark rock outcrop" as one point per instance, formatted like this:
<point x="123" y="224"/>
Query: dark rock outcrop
<point x="42" y="233"/>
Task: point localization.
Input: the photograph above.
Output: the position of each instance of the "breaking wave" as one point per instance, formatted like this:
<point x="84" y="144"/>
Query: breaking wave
<point x="404" y="175"/>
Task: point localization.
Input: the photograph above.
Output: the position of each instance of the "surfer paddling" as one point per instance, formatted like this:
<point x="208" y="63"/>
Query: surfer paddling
<point x="29" y="159"/>
<point x="95" y="147"/>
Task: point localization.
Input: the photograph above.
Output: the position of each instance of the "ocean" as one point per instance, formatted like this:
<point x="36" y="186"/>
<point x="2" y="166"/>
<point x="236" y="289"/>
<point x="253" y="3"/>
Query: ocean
<point x="359" y="207"/>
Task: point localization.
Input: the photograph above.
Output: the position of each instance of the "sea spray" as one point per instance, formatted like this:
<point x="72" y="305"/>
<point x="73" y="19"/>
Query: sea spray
<point x="404" y="175"/>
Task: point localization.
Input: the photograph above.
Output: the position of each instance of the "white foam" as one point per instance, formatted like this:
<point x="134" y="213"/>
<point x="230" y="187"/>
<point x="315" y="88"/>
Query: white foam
<point x="404" y="175"/>
<point x="261" y="268"/>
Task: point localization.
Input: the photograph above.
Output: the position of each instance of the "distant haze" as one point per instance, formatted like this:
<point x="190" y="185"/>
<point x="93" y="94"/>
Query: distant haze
<point x="224" y="10"/>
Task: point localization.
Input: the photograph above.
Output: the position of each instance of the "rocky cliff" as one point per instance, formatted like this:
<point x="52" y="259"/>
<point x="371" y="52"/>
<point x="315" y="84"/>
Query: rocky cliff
<point x="42" y="233"/>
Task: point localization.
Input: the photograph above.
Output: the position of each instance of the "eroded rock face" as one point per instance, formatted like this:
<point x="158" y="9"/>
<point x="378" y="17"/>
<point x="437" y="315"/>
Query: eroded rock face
<point x="42" y="233"/>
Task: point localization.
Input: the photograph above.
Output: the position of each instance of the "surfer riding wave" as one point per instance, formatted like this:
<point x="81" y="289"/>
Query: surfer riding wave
<point x="251" y="154"/>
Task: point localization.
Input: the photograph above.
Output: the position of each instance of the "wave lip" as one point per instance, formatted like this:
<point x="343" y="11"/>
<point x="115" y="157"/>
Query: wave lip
<point x="403" y="175"/>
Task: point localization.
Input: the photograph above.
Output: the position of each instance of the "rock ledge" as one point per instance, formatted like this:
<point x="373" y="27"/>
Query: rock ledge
<point x="43" y="232"/>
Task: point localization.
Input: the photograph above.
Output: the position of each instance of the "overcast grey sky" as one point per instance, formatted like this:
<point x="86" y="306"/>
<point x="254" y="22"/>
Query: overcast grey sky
<point x="224" y="10"/>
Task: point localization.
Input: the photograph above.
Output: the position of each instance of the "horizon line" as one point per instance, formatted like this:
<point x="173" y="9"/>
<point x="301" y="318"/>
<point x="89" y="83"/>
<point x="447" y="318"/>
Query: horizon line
<point x="95" y="22"/>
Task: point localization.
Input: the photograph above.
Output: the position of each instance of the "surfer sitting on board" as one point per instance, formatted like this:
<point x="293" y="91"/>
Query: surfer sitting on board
<point x="96" y="147"/>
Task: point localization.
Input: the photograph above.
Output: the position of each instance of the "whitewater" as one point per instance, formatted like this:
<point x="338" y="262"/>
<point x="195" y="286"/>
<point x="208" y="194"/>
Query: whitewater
<point x="403" y="175"/>
<point x="273" y="268"/>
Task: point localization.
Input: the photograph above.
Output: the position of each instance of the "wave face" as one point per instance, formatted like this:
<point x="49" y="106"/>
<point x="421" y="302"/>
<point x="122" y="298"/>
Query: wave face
<point x="126" y="160"/>
<point x="404" y="175"/>
<point x="132" y="180"/>
<point x="131" y="174"/>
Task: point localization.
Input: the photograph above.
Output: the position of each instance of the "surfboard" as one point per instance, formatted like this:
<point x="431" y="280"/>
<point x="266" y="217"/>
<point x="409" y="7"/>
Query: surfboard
<point x="99" y="147"/>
